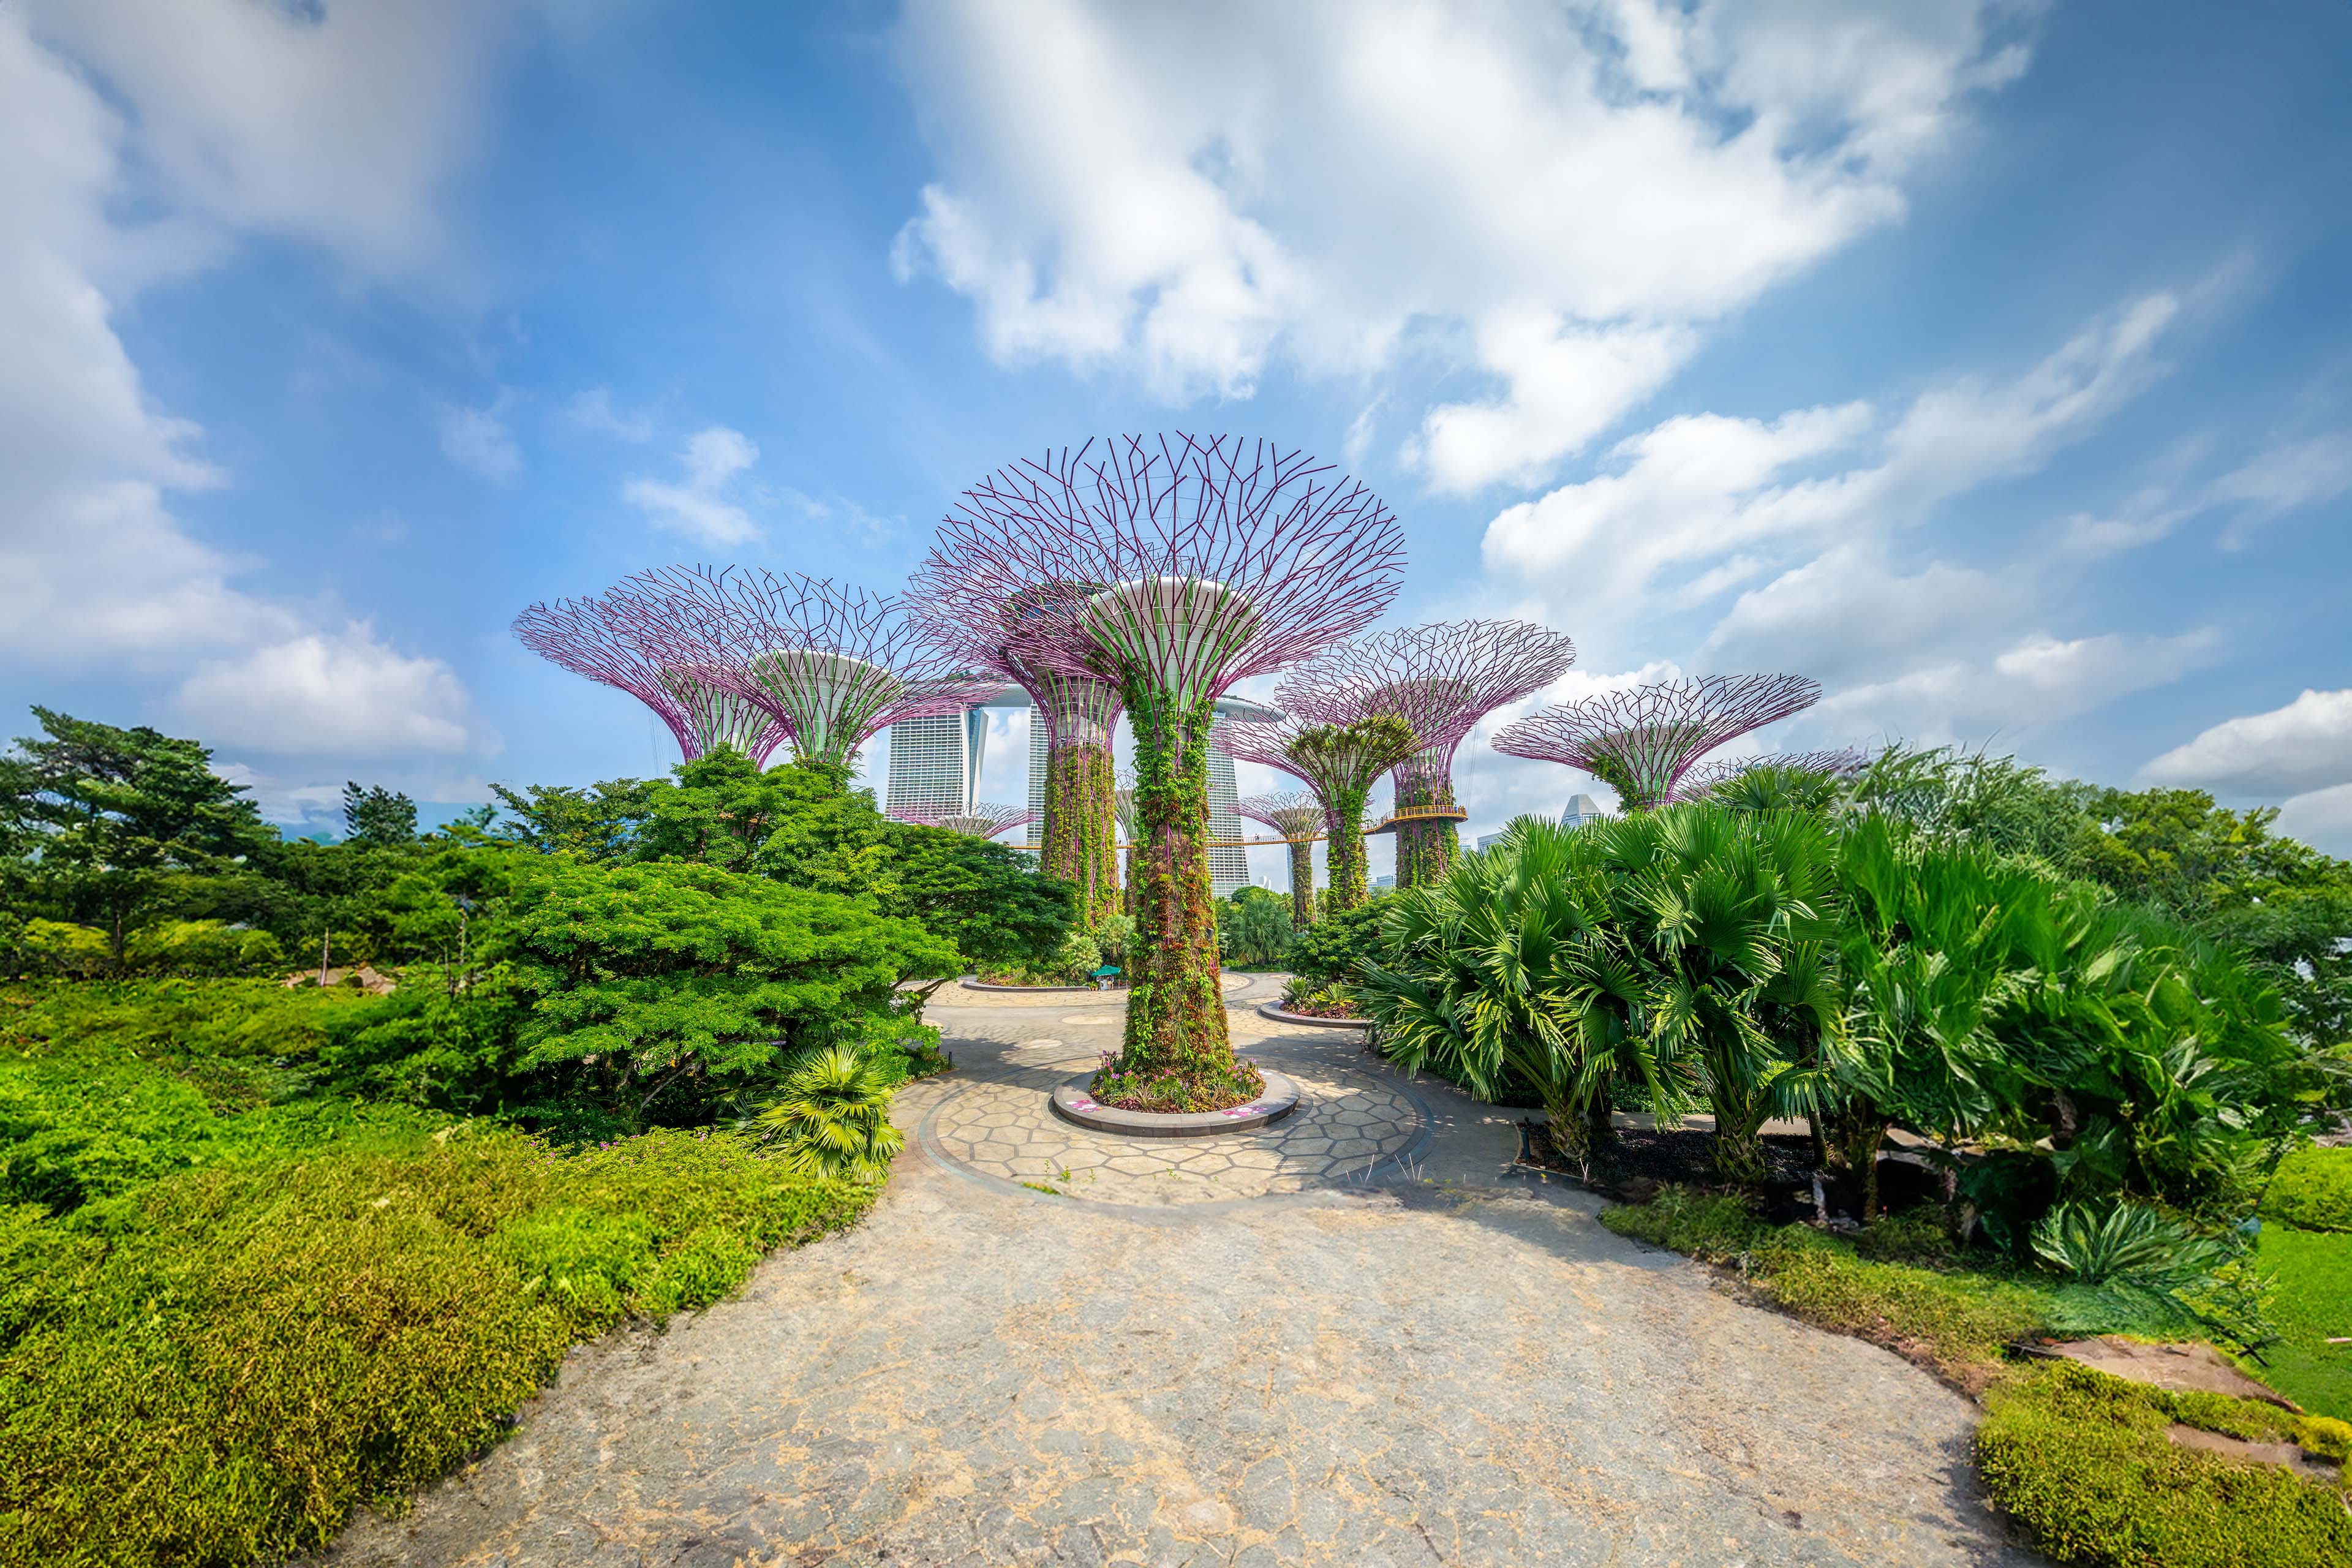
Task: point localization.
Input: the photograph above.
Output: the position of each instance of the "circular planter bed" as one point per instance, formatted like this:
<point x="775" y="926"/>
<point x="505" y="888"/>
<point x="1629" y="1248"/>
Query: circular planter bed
<point x="1273" y="1010"/>
<point x="1073" y="1103"/>
<point x="974" y="983"/>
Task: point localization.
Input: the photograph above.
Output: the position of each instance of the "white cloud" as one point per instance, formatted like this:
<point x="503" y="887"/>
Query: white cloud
<point x="698" y="507"/>
<point x="2033" y="682"/>
<point x="2322" y="818"/>
<point x="217" y="117"/>
<point x="2283" y="480"/>
<point x="478" y="439"/>
<point x="592" y="411"/>
<point x="336" y="124"/>
<point x="344" y="693"/>
<point x="1559" y="199"/>
<point x="2303" y="747"/>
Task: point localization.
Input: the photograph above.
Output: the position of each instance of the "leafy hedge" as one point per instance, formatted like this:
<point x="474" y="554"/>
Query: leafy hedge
<point x="216" y="1367"/>
<point x="2312" y="1189"/>
<point x="2082" y="1461"/>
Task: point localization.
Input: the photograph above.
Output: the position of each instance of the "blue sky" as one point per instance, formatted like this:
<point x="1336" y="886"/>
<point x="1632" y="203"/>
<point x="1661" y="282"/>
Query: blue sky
<point x="1990" y="362"/>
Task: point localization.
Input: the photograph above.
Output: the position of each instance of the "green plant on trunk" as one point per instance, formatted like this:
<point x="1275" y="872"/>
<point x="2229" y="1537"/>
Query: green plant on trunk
<point x="1339" y="759"/>
<point x="1175" y="1009"/>
<point x="1425" y="849"/>
<point x="1080" y="843"/>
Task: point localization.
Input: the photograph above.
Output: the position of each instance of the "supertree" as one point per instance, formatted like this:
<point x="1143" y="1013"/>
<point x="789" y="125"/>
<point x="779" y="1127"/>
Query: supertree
<point x="1642" y="740"/>
<point x="606" y="638"/>
<point x="1298" y="818"/>
<point x="1442" y="679"/>
<point x="1173" y="566"/>
<point x="1836" y="762"/>
<point x="1079" y="844"/>
<point x="1338" y="753"/>
<point x="981" y="821"/>
<point x="833" y="664"/>
<point x="1122" y="805"/>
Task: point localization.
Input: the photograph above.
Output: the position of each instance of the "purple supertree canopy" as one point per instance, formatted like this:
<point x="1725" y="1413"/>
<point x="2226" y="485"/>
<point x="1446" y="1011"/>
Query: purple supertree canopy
<point x="1836" y="762"/>
<point x="1441" y="679"/>
<point x="606" y="639"/>
<point x="1640" y="742"/>
<point x="1332" y="761"/>
<point x="1077" y="710"/>
<point x="834" y="664"/>
<point x="1294" y="814"/>
<point x="983" y="820"/>
<point x="1189" y="562"/>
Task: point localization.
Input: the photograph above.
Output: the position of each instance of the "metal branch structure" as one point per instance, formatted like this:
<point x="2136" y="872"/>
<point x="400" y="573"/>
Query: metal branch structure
<point x="1079" y="842"/>
<point x="982" y="821"/>
<point x="1298" y="818"/>
<point x="605" y="639"/>
<point x="1338" y="753"/>
<point x="1441" y="679"/>
<point x="833" y="664"/>
<point x="1839" y="762"/>
<point x="1642" y="740"/>
<point x="1171" y="567"/>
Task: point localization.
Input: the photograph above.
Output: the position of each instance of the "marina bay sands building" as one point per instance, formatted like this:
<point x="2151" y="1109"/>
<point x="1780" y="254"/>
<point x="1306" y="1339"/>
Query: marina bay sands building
<point x="935" y="765"/>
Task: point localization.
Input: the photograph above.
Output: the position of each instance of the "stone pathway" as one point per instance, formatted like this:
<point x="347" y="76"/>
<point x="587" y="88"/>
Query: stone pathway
<point x="1346" y="1339"/>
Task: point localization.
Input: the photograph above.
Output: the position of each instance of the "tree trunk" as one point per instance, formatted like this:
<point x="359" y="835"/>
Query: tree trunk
<point x="1080" y="836"/>
<point x="1425" y="849"/>
<point x="1344" y="852"/>
<point x="1302" y="883"/>
<point x="1175" y="1009"/>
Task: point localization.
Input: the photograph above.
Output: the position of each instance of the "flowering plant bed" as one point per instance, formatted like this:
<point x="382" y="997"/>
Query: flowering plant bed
<point x="1173" y="1094"/>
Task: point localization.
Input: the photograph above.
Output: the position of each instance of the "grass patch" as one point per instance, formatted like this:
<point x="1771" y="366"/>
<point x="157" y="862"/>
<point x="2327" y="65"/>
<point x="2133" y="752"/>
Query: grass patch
<point x="2082" y="1460"/>
<point x="2312" y="1189"/>
<point x="2312" y="1304"/>
<point x="215" y="1367"/>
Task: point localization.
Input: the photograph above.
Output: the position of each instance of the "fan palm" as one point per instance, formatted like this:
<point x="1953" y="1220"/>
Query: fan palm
<point x="833" y="1117"/>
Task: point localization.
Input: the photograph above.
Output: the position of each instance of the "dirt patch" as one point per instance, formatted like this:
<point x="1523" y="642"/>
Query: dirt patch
<point x="2289" y="1455"/>
<point x="2188" y="1367"/>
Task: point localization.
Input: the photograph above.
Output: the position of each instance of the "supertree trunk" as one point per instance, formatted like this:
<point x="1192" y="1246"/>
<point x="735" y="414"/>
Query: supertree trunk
<point x="1350" y="866"/>
<point x="1175" y="1005"/>
<point x="1081" y="834"/>
<point x="1302" y="883"/>
<point x="1425" y="849"/>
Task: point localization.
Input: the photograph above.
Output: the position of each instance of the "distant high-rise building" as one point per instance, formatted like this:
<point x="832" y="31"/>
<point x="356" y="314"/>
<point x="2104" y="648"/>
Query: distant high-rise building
<point x="1582" y="809"/>
<point x="935" y="764"/>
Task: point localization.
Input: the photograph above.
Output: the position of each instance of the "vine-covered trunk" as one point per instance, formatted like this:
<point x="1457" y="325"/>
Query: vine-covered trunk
<point x="1344" y="851"/>
<point x="1302" y="883"/>
<point x="1175" y="1005"/>
<point x="1081" y="830"/>
<point x="1425" y="849"/>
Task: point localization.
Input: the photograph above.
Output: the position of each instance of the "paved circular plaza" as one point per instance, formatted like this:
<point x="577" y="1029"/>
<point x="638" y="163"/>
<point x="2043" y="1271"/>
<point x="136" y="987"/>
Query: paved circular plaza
<point x="1348" y="1338"/>
<point x="990" y="1121"/>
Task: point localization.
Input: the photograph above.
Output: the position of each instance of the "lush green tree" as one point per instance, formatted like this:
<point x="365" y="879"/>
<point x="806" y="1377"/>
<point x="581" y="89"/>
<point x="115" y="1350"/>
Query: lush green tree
<point x="101" y="820"/>
<point x="655" y="974"/>
<point x="1252" y="929"/>
<point x="377" y="816"/>
<point x="596" y="824"/>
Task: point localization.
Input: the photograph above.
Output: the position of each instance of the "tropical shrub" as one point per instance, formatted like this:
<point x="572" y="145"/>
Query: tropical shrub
<point x="831" y="1117"/>
<point x="1334" y="952"/>
<point x="215" y="1367"/>
<point x="2312" y="1188"/>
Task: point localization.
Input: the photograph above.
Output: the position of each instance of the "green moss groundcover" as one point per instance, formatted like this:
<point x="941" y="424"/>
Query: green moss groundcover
<point x="217" y="1366"/>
